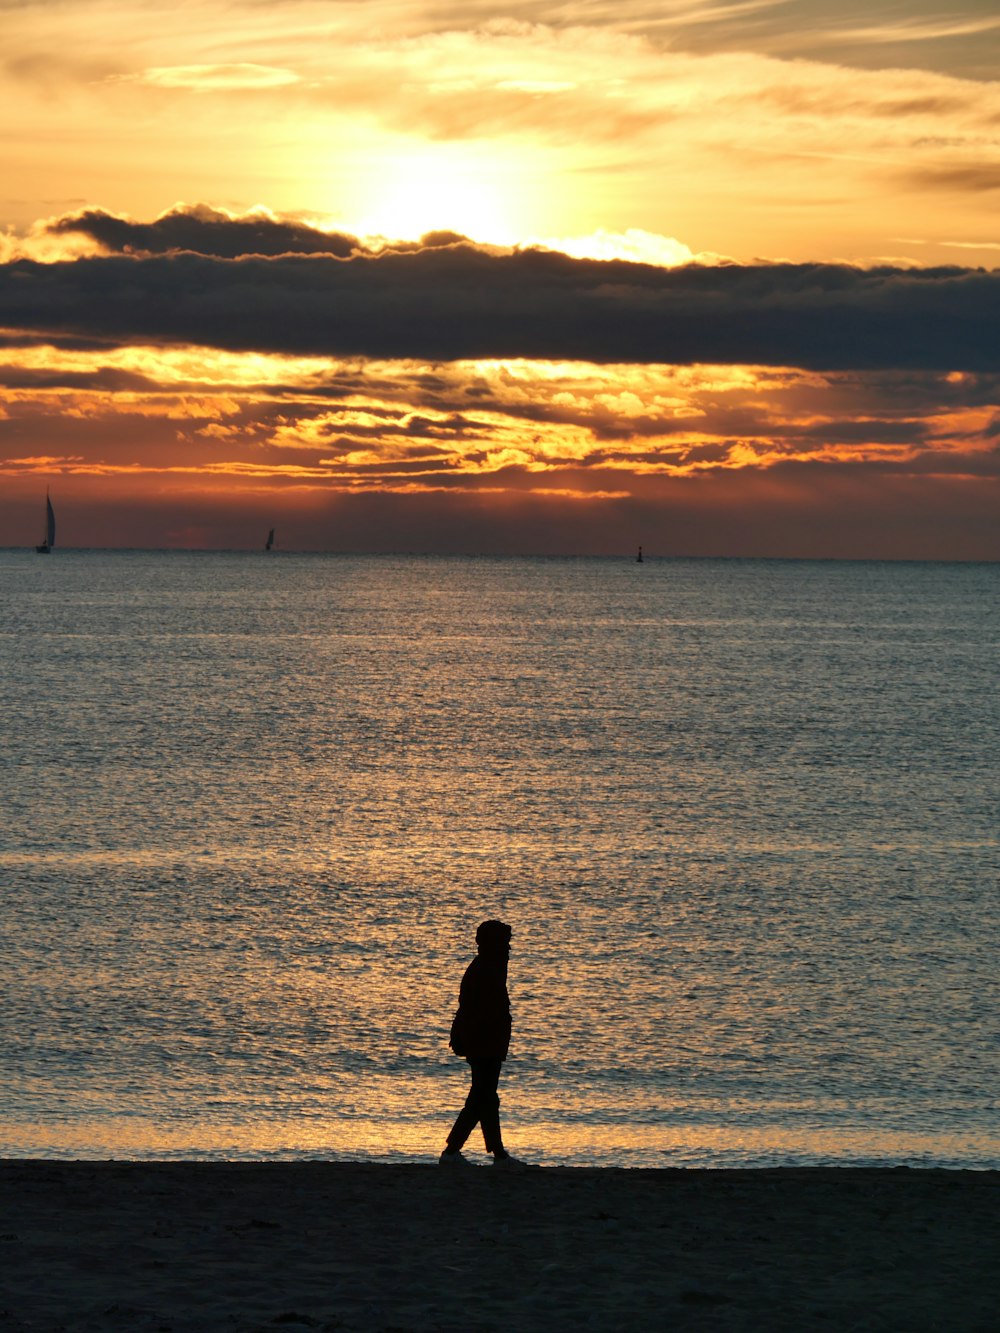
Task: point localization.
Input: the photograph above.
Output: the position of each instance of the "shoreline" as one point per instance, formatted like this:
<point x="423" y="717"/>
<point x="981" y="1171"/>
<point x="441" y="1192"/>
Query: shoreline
<point x="195" y="1246"/>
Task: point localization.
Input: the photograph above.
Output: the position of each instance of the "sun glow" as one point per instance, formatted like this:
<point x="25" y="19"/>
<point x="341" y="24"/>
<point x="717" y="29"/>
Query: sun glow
<point x="444" y="188"/>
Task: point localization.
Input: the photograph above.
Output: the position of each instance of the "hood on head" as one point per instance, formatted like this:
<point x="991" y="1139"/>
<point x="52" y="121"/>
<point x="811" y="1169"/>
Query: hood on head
<point x="493" y="937"/>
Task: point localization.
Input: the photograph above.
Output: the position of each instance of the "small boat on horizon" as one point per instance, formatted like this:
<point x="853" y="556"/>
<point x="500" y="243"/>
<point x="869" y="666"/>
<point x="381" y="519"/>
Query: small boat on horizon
<point x="49" y="540"/>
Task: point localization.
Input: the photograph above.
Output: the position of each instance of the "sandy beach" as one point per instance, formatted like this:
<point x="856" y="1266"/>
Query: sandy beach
<point x="318" y="1245"/>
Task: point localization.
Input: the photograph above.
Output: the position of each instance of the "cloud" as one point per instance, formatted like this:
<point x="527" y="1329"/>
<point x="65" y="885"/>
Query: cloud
<point x="922" y="34"/>
<point x="913" y="31"/>
<point x="215" y="232"/>
<point x="216" y="78"/>
<point x="205" y="231"/>
<point x="460" y="302"/>
<point x="969" y="245"/>
<point x="968" y="177"/>
<point x="393" y="424"/>
<point x="102" y="380"/>
<point x="633" y="244"/>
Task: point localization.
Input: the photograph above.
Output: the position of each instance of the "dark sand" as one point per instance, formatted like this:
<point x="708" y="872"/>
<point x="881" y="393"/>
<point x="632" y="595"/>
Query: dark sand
<point x="186" y="1246"/>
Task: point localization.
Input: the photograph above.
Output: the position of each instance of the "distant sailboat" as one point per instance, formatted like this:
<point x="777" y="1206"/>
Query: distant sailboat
<point x="270" y="540"/>
<point x="49" y="540"/>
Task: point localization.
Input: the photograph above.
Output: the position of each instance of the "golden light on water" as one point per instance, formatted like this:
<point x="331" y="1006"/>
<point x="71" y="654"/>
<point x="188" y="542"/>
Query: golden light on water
<point x="688" y="1146"/>
<point x="243" y="910"/>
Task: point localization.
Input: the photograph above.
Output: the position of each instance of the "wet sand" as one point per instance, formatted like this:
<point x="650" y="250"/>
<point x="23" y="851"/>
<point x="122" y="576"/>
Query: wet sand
<point x="320" y="1245"/>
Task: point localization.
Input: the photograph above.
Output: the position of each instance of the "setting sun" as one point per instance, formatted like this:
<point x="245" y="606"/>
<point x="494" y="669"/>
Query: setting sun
<point x="442" y="188"/>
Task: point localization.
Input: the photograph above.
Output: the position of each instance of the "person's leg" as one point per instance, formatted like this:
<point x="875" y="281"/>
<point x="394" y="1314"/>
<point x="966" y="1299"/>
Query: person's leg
<point x="467" y="1120"/>
<point x="482" y="1106"/>
<point x="485" y="1079"/>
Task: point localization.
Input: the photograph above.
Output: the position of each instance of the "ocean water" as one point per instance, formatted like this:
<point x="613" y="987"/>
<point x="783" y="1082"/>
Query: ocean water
<point x="742" y="815"/>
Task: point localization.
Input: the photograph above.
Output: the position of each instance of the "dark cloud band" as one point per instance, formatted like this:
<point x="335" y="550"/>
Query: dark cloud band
<point x="457" y="301"/>
<point x="203" y="230"/>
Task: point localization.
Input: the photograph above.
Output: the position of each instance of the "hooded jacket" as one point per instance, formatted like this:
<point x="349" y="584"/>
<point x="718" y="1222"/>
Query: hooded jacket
<point x="481" y="1029"/>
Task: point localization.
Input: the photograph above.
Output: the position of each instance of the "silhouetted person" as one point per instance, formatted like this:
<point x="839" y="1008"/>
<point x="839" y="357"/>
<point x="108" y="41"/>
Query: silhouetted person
<point x="481" y="1033"/>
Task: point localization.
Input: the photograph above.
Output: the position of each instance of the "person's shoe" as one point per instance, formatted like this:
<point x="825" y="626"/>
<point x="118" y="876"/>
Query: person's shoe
<point x="453" y="1159"/>
<point x="508" y="1163"/>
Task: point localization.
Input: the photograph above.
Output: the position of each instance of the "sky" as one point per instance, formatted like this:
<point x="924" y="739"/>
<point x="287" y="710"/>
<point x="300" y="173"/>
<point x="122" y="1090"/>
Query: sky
<point x="719" y="279"/>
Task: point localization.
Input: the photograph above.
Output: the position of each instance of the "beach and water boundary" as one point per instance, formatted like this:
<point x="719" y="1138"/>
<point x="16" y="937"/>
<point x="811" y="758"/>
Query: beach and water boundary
<point x="188" y="1247"/>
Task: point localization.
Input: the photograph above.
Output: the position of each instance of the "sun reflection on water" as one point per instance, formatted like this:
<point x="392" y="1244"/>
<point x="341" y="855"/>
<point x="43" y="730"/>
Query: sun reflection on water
<point x="254" y="810"/>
